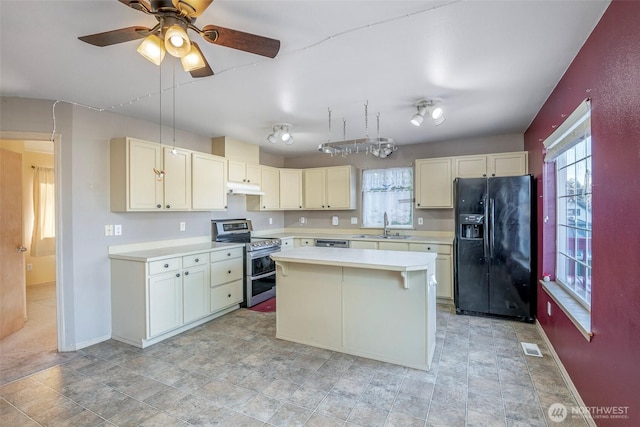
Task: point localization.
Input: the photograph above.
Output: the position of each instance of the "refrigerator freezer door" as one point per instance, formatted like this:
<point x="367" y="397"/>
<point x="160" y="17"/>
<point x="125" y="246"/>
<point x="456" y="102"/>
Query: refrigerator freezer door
<point x="510" y="291"/>
<point x="471" y="276"/>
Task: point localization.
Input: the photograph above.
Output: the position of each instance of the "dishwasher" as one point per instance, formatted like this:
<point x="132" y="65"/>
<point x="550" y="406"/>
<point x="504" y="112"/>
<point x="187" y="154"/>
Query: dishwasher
<point x="332" y="243"/>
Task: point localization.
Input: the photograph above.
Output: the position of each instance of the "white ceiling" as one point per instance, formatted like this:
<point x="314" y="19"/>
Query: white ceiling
<point x="492" y="63"/>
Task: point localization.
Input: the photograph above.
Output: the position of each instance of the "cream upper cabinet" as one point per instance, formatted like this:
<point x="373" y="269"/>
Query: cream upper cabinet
<point x="508" y="164"/>
<point x="291" y="189"/>
<point x="470" y="166"/>
<point x="329" y="188"/>
<point x="177" y="178"/>
<point x="208" y="181"/>
<point x="314" y="184"/>
<point x="498" y="164"/>
<point x="244" y="172"/>
<point x="434" y="188"/>
<point x="340" y="189"/>
<point x="270" y="186"/>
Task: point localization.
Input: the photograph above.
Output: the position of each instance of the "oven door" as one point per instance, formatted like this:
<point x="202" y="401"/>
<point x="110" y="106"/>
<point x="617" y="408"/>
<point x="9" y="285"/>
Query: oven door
<point x="261" y="276"/>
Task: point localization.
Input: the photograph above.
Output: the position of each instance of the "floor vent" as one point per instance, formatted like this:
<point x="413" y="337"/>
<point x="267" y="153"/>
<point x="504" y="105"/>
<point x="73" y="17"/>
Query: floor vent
<point x="531" y="349"/>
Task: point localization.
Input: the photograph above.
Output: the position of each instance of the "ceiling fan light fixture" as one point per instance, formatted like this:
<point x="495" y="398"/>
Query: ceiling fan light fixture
<point x="194" y="60"/>
<point x="152" y="49"/>
<point x="176" y="41"/>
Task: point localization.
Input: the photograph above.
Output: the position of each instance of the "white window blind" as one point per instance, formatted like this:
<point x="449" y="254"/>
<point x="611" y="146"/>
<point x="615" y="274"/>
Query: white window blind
<point x="576" y="128"/>
<point x="387" y="190"/>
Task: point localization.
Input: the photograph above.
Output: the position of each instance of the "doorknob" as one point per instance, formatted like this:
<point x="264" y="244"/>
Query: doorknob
<point x="21" y="249"/>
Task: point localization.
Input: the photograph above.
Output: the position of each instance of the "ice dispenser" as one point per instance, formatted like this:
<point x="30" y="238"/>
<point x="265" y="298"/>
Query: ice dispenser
<point x="471" y="226"/>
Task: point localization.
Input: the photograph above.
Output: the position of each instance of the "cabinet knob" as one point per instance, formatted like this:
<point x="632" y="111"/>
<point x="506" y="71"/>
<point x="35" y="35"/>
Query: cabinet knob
<point x="158" y="206"/>
<point x="428" y="248"/>
<point x="264" y="207"/>
<point x="229" y="271"/>
<point x="177" y="274"/>
<point x="228" y="253"/>
<point x="484" y="174"/>
<point x="418" y="204"/>
<point x="323" y="206"/>
<point x="493" y="174"/>
<point x="197" y="259"/>
<point x="186" y="273"/>
<point x="244" y="180"/>
<point x="328" y="206"/>
<point x="166" y="266"/>
<point x="229" y="295"/>
<point x="168" y="206"/>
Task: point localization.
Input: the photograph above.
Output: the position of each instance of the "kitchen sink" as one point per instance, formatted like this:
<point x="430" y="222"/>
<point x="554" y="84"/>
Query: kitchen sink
<point x="380" y="236"/>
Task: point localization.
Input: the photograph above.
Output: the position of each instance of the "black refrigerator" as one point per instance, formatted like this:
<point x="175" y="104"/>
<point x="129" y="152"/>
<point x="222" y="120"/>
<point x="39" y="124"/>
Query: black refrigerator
<point x="493" y="247"/>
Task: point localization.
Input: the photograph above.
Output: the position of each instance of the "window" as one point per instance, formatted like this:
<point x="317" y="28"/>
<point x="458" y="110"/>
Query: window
<point x="390" y="191"/>
<point x="571" y="152"/>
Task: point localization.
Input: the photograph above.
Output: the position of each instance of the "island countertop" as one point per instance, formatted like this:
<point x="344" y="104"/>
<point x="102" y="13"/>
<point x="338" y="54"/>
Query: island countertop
<point x="359" y="258"/>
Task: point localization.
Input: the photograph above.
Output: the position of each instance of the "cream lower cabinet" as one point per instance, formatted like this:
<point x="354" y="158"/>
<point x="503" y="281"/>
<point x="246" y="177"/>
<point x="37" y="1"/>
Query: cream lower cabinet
<point x="154" y="300"/>
<point x="444" y="266"/>
<point x="226" y="278"/>
<point x="287" y="243"/>
<point x="433" y="183"/>
<point x="299" y="242"/>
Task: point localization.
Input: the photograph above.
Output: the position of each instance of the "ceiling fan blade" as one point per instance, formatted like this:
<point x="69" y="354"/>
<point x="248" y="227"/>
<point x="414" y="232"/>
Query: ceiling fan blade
<point x="191" y="8"/>
<point x="242" y="41"/>
<point x="116" y="36"/>
<point x="205" y="71"/>
<point x="137" y="5"/>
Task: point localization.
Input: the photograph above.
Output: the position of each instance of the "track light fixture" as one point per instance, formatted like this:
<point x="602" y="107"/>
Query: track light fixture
<point x="428" y="108"/>
<point x="281" y="132"/>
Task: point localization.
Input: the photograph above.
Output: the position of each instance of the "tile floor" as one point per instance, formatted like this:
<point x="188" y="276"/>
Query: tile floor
<point x="233" y="372"/>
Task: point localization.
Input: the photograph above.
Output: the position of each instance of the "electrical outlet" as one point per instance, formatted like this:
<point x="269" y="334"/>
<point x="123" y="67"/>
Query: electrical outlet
<point x="302" y="220"/>
<point x="354" y="220"/>
<point x="108" y="230"/>
<point x="29" y="267"/>
<point x="117" y="229"/>
<point x="420" y="221"/>
<point x="270" y="221"/>
<point x="183" y="226"/>
<point x="548" y="308"/>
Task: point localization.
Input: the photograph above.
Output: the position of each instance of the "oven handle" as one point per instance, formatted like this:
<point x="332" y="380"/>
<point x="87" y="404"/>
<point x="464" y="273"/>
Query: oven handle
<point x="262" y="276"/>
<point x="261" y="253"/>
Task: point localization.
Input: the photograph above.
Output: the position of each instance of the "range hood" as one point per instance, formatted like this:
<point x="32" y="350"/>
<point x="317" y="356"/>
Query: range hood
<point x="244" y="188"/>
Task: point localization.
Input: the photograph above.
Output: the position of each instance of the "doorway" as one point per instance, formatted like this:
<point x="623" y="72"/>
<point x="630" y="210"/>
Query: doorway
<point x="35" y="345"/>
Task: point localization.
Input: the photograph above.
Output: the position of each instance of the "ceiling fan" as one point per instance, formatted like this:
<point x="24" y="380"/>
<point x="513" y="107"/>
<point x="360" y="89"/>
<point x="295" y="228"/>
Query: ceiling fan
<point x="175" y="17"/>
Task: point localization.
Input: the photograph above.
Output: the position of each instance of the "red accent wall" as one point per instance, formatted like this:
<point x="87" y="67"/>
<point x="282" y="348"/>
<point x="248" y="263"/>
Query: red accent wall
<point x="606" y="371"/>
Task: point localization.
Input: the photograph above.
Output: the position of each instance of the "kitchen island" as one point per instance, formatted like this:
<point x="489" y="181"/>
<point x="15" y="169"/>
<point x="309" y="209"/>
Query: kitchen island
<point x="376" y="304"/>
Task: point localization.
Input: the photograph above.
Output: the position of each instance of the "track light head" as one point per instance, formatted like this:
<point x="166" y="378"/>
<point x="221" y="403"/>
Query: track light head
<point x="281" y="132"/>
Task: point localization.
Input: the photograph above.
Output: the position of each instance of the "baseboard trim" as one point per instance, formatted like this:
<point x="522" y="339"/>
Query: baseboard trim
<point x="564" y="373"/>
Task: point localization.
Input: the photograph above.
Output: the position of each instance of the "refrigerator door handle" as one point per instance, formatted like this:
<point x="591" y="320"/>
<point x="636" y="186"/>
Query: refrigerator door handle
<point x="492" y="214"/>
<point x="485" y="237"/>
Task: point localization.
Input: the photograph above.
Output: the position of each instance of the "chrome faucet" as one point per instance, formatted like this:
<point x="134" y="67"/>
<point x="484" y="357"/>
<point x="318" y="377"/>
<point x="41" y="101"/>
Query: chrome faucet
<point x="385" y="231"/>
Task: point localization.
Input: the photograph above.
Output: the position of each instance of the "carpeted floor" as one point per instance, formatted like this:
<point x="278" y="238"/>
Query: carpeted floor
<point x="267" y="306"/>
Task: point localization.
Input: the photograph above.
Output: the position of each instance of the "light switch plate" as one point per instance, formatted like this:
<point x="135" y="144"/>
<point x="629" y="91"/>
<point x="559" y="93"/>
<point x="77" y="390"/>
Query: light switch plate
<point x="420" y="221"/>
<point x="117" y="229"/>
<point x="183" y="226"/>
<point x="335" y="220"/>
<point x="354" y="220"/>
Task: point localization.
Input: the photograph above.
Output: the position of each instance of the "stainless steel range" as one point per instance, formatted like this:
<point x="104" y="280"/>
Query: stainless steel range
<point x="259" y="268"/>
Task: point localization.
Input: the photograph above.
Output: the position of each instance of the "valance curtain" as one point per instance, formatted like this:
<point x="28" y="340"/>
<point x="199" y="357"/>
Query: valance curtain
<point x="387" y="190"/>
<point x="43" y="241"/>
<point x="576" y="128"/>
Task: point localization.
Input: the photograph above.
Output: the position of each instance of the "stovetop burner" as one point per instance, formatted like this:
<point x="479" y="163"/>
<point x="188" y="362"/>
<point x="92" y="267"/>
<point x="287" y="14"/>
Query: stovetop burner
<point x="258" y="243"/>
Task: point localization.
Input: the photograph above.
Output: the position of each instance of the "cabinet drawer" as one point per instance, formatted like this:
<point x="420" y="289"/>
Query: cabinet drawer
<point x="197" y="259"/>
<point x="226" y="295"/>
<point x="156" y="267"/>
<point x="225" y="254"/>
<point x="430" y="247"/>
<point x="226" y="271"/>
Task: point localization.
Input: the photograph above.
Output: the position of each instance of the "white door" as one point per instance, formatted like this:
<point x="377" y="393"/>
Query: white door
<point x="12" y="280"/>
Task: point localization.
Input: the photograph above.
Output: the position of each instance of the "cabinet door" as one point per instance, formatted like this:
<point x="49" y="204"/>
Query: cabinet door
<point x="145" y="187"/>
<point x="286" y="244"/>
<point x="208" y="182"/>
<point x="290" y="189"/>
<point x="165" y="303"/>
<point x="434" y="183"/>
<point x="177" y="179"/>
<point x="470" y="166"/>
<point x="363" y="244"/>
<point x="271" y="187"/>
<point x="444" y="277"/>
<point x="507" y="164"/>
<point x="339" y="188"/>
<point x="195" y="291"/>
<point x="253" y="173"/>
<point x="393" y="246"/>
<point x="314" y="191"/>
<point x="236" y="171"/>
